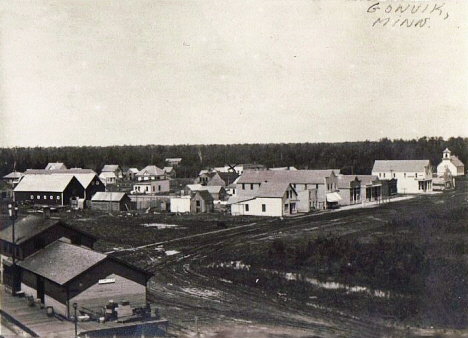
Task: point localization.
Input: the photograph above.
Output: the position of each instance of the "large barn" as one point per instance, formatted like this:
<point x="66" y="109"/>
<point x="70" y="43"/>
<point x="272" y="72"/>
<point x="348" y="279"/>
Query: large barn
<point x="57" y="189"/>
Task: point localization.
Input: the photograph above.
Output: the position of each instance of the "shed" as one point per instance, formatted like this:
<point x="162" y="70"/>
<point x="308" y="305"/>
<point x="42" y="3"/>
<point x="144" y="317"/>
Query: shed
<point x="111" y="201"/>
<point x="202" y="201"/>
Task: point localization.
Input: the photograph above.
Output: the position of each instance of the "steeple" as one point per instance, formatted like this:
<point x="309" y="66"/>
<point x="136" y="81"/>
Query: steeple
<point x="447" y="154"/>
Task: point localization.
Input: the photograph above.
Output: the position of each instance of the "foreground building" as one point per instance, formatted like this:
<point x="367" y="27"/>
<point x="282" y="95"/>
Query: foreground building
<point x="412" y="176"/>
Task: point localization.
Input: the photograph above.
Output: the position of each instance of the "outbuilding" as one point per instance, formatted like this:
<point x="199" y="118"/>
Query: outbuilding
<point x="111" y="201"/>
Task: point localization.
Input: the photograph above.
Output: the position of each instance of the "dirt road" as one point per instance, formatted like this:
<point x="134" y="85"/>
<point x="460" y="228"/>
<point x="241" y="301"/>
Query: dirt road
<point x="215" y="306"/>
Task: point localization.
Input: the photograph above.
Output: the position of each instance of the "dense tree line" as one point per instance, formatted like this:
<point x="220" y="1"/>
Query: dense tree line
<point x="350" y="157"/>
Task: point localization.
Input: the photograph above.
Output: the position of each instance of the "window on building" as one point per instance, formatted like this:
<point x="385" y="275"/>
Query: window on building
<point x="97" y="182"/>
<point x="38" y="197"/>
<point x="305" y="186"/>
<point x="159" y="188"/>
<point x="394" y="175"/>
<point x="316" y="186"/>
<point x="243" y="186"/>
<point x="58" y="197"/>
<point x="31" y="197"/>
<point x="246" y="207"/>
<point x="384" y="175"/>
<point x="154" y="189"/>
<point x="404" y="175"/>
<point x="51" y="197"/>
<point x="416" y="175"/>
<point x="198" y="203"/>
<point x="380" y="174"/>
<point x="263" y="207"/>
<point x="45" y="197"/>
<point x="251" y="186"/>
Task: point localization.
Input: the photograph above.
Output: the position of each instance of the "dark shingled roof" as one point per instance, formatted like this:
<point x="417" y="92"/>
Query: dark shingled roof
<point x="31" y="226"/>
<point x="60" y="262"/>
<point x="205" y="195"/>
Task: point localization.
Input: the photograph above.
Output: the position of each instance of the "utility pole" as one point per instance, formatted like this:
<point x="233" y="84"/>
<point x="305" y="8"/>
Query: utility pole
<point x="13" y="213"/>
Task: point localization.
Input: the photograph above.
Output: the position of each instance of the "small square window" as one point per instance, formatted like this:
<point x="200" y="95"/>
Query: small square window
<point x="58" y="197"/>
<point x="38" y="197"/>
<point x="51" y="197"/>
<point x="31" y="197"/>
<point x="45" y="197"/>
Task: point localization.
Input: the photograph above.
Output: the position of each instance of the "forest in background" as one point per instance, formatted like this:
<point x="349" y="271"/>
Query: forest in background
<point x="350" y="157"/>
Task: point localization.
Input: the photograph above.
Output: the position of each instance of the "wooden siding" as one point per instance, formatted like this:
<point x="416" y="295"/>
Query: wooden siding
<point x="129" y="285"/>
<point x="51" y="235"/>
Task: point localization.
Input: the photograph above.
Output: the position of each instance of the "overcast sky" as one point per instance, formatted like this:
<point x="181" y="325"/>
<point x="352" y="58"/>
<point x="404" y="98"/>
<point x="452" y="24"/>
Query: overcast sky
<point x="90" y="72"/>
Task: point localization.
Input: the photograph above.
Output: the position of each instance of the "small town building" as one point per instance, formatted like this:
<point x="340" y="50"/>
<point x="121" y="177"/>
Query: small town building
<point x="217" y="192"/>
<point x="201" y="202"/>
<point x="55" y="166"/>
<point x="13" y="178"/>
<point x="111" y="201"/>
<point x="349" y="189"/>
<point x="273" y="198"/>
<point x="151" y="173"/>
<point x="191" y="189"/>
<point x="62" y="274"/>
<point x="170" y="172"/>
<point x="151" y="187"/>
<point x="33" y="233"/>
<point x="130" y="174"/>
<point x="173" y="162"/>
<point x="108" y="178"/>
<point x="412" y="176"/>
<point x="113" y="168"/>
<point x="451" y="163"/>
<point x="58" y="189"/>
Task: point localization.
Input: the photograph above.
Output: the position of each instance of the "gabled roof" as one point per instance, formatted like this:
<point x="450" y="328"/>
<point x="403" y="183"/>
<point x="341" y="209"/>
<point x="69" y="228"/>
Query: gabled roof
<point x="174" y="159"/>
<point x="273" y="189"/>
<point x="367" y="179"/>
<point x="108" y="196"/>
<point x="456" y="161"/>
<point x="13" y="175"/>
<point x="205" y="195"/>
<point x="212" y="189"/>
<point x="151" y="170"/>
<point x="44" y="183"/>
<point x="345" y="180"/>
<point x="298" y="176"/>
<point x="55" y="166"/>
<point x="30" y="226"/>
<point x="85" y="179"/>
<point x="194" y="187"/>
<point x="133" y="170"/>
<point x="400" y="165"/>
<point x="228" y="177"/>
<point x="168" y="169"/>
<point x="60" y="262"/>
<point x="107" y="174"/>
<point x="110" y="167"/>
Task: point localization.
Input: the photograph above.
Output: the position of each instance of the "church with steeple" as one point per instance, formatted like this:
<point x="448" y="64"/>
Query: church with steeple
<point x="451" y="163"/>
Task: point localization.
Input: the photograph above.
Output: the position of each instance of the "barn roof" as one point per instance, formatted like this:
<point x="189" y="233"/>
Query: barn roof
<point x="400" y="165"/>
<point x="60" y="262"/>
<point x="108" y="196"/>
<point x="44" y="183"/>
